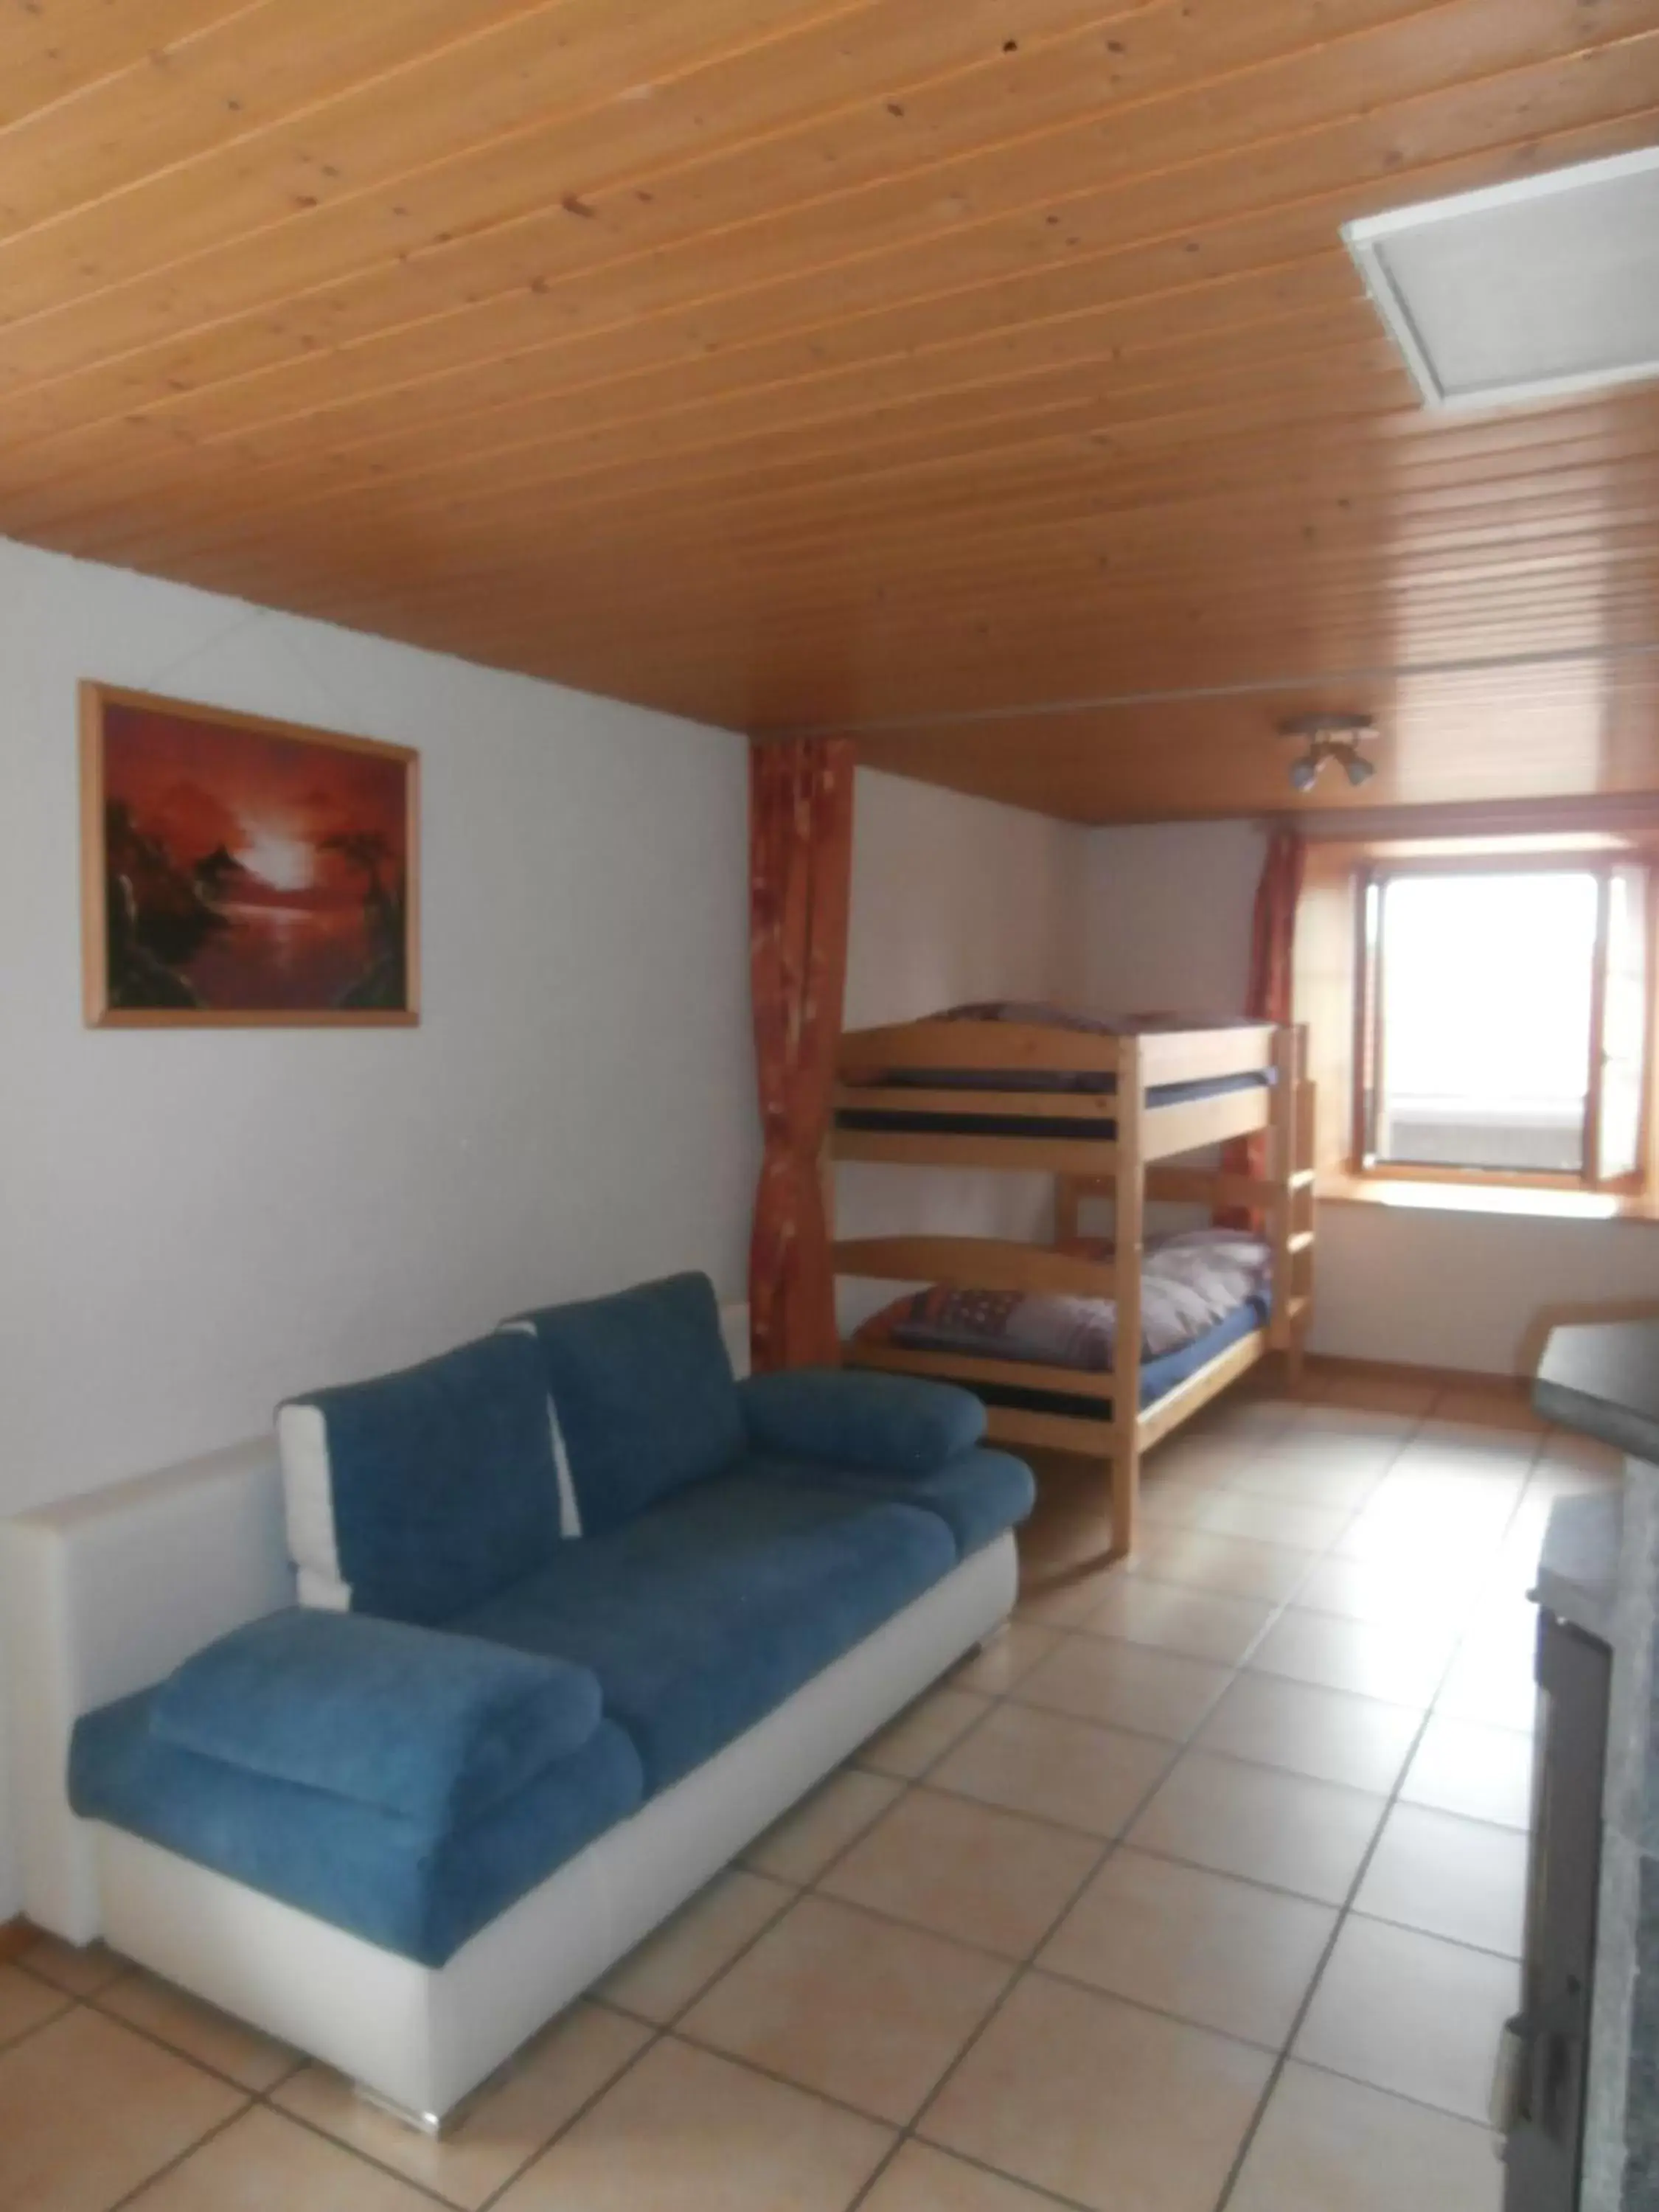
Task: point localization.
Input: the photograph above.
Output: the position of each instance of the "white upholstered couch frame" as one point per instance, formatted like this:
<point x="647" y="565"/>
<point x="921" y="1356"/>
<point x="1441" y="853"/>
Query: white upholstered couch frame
<point x="105" y="1594"/>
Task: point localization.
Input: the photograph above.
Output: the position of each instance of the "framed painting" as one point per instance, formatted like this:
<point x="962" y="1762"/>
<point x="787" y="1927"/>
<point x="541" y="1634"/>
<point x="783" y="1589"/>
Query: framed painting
<point x="241" y="871"/>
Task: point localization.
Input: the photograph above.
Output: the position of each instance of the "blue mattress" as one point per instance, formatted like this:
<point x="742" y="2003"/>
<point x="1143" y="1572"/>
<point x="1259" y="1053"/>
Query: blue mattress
<point x="935" y="1123"/>
<point x="1158" y="1376"/>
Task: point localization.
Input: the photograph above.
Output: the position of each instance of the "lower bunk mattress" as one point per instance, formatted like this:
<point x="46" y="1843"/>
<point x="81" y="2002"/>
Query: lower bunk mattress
<point x="1201" y="1292"/>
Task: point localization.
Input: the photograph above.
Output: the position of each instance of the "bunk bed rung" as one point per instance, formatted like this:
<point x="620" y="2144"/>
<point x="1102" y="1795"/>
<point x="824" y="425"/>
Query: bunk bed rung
<point x="960" y="1367"/>
<point x="975" y="1263"/>
<point x="1178" y="1405"/>
<point x="1168" y="1131"/>
<point x="1301" y="1241"/>
<point x="1029" y="1105"/>
<point x="966" y="1045"/>
<point x="1027" y="1155"/>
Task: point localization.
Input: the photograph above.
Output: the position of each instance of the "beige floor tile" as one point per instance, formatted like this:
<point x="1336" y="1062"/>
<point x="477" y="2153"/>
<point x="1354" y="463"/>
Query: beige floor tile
<point x="660" y="1979"/>
<point x="545" y="2086"/>
<point x="82" y="1971"/>
<point x="1207" y="1462"/>
<point x="1168" y="1502"/>
<point x="1329" y="1734"/>
<point x="265" y="2163"/>
<point x="1411" y="2013"/>
<point x="1401" y="1662"/>
<point x="1491" y="1687"/>
<point x="200" y="2031"/>
<point x="799" y="1847"/>
<point x="688" y="2131"/>
<point x="851" y="2005"/>
<point x="1328" y="2145"/>
<point x="1332" y="1481"/>
<point x="89" y="2111"/>
<point x="1054" y="1767"/>
<point x="1231" y="1564"/>
<point x="1388" y="1396"/>
<point x="1394" y="1533"/>
<point x="1062" y="1604"/>
<point x="923" y="2179"/>
<point x="1011" y="1654"/>
<point x="1282" y="1829"/>
<point x="1198" y="1624"/>
<point x="26" y="2004"/>
<point x="1449" y="1876"/>
<point x="1273" y="1520"/>
<point x="1379" y="1590"/>
<point x="1104" y="2103"/>
<point x="1462" y="1766"/>
<point x="908" y="1746"/>
<point x="1125" y="1686"/>
<point x="971" y="1871"/>
<point x="1221" y="1953"/>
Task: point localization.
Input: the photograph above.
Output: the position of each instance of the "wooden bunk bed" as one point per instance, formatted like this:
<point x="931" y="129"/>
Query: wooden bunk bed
<point x="1104" y="1115"/>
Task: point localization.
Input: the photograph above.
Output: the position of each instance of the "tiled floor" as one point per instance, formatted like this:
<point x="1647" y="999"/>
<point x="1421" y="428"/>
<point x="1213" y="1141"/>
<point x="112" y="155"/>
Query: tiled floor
<point x="1201" y="1887"/>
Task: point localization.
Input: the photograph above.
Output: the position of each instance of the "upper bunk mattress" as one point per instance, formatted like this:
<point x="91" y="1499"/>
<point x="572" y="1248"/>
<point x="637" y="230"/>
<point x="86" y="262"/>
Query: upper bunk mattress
<point x="1200" y="1291"/>
<point x="1047" y="1081"/>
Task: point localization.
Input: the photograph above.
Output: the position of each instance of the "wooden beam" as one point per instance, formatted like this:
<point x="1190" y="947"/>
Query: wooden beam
<point x="975" y="1263"/>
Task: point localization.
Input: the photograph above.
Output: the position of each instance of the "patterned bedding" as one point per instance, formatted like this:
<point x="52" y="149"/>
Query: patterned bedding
<point x="1189" y="1283"/>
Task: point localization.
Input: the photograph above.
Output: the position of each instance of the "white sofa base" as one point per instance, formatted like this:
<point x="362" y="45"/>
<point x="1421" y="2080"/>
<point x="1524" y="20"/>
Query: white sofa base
<point x="418" y="2038"/>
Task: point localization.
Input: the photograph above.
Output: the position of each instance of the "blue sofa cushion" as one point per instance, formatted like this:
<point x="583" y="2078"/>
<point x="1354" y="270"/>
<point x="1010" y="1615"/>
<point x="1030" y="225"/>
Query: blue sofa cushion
<point x="410" y="1886"/>
<point x="892" y="1422"/>
<point x="705" y="1613"/>
<point x="644" y="1393"/>
<point x="423" y="1491"/>
<point x="977" y="1495"/>
<point x="438" y="1728"/>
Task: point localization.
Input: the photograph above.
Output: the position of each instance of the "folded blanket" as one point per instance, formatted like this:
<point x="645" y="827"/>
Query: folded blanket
<point x="1189" y="1284"/>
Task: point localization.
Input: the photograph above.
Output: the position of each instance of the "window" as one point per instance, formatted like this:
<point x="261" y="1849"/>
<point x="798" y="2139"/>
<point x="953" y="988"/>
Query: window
<point x="1502" y="1020"/>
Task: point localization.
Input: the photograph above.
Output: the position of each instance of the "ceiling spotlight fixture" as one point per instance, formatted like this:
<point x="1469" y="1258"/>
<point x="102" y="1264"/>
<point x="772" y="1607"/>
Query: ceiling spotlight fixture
<point x="1329" y="738"/>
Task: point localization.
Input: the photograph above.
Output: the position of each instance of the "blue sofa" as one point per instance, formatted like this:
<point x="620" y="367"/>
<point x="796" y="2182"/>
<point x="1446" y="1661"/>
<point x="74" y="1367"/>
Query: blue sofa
<point x="581" y="1613"/>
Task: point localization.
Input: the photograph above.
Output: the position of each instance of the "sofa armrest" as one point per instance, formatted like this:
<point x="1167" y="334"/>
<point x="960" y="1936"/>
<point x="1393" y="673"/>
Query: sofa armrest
<point x="890" y="1423"/>
<point x="436" y="1727"/>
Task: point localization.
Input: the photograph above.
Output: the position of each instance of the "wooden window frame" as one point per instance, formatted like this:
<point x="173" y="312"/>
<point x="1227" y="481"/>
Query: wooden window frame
<point x="1370" y="1043"/>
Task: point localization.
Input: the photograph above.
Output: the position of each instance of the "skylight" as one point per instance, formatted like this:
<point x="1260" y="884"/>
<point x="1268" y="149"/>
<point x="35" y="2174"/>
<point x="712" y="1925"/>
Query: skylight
<point x="1543" y="286"/>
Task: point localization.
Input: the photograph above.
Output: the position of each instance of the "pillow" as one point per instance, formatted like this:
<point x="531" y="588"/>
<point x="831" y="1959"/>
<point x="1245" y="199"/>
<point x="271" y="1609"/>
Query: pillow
<point x="892" y="1423"/>
<point x="413" y="1720"/>
<point x="421" y="1493"/>
<point x="643" y="1394"/>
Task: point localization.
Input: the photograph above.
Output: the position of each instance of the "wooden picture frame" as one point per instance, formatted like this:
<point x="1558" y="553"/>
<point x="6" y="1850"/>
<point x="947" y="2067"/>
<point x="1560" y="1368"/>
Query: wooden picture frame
<point x="241" y="873"/>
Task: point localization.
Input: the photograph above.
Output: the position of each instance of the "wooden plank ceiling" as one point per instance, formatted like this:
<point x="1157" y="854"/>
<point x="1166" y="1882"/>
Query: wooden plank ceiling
<point x="903" y="366"/>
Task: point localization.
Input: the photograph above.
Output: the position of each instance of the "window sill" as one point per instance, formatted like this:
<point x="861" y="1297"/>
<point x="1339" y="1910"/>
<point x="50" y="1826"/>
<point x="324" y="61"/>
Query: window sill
<point x="1512" y="1200"/>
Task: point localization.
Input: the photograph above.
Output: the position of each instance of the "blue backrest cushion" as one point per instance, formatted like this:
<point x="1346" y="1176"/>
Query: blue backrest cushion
<point x="643" y="1393"/>
<point x="414" y="1721"/>
<point x="897" y="1423"/>
<point x="419" y="1494"/>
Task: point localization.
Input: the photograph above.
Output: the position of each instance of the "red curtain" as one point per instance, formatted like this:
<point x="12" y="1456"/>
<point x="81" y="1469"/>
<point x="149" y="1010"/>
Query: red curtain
<point x="1269" y="995"/>
<point x="800" y="851"/>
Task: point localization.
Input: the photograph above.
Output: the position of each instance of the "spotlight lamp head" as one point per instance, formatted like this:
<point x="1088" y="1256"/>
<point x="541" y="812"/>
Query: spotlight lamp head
<point x="1329" y="737"/>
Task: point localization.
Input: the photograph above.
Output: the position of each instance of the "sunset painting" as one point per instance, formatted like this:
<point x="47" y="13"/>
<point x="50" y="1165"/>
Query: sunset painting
<point x="241" y="871"/>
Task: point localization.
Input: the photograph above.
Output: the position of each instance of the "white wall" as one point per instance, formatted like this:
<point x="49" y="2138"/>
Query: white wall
<point x="954" y="898"/>
<point x="1169" y="925"/>
<point x="195" y="1222"/>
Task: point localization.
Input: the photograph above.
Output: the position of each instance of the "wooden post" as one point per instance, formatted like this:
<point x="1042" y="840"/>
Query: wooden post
<point x="1281" y="1217"/>
<point x="1128" y="1236"/>
<point x="1067" y="1207"/>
